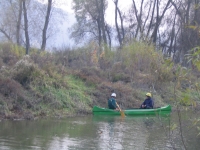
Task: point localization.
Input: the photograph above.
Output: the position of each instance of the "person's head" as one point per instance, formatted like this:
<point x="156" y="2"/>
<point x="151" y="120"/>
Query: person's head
<point x="148" y="94"/>
<point x="113" y="95"/>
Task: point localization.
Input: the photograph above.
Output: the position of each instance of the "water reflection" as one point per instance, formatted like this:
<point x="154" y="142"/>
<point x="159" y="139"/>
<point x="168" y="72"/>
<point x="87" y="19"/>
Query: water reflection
<point x="118" y="133"/>
<point x="95" y="133"/>
<point x="109" y="136"/>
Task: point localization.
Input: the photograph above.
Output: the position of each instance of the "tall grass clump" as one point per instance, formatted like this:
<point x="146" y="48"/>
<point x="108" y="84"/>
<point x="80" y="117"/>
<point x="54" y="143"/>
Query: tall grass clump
<point x="10" y="53"/>
<point x="144" y="64"/>
<point x="78" y="58"/>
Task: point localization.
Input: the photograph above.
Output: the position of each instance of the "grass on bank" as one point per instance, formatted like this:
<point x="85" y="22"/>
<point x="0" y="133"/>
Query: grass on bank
<point x="39" y="89"/>
<point x="70" y="82"/>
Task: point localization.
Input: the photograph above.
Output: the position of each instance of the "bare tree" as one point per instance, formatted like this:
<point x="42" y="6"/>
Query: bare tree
<point x="120" y="30"/>
<point x="40" y="25"/>
<point x="158" y="20"/>
<point x="44" y="31"/>
<point x="138" y="17"/>
<point x="19" y="23"/>
<point x="187" y="18"/>
<point x="102" y="16"/>
<point x="26" y="27"/>
<point x="10" y="25"/>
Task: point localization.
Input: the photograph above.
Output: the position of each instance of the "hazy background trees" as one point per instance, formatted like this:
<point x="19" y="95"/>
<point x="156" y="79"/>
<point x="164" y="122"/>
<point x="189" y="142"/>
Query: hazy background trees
<point x="29" y="23"/>
<point x="91" y="24"/>
<point x="172" y="25"/>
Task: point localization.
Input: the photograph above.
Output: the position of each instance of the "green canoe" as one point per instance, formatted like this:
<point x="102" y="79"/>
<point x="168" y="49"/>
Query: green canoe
<point x="105" y="111"/>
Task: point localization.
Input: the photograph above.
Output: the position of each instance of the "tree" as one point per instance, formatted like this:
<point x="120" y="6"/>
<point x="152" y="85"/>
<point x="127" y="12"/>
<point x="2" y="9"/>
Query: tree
<point x="120" y="30"/>
<point x="187" y="38"/>
<point x="91" y="25"/>
<point x="11" y="20"/>
<point x="145" y="19"/>
<point x="26" y="27"/>
<point x="158" y="20"/>
<point x="101" y="9"/>
<point x="138" y="17"/>
<point x="37" y="23"/>
<point x="19" y="23"/>
<point x="44" y="31"/>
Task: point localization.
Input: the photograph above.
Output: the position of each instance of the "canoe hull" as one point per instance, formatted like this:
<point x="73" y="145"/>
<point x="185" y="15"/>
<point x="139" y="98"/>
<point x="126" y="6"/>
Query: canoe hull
<point x="105" y="111"/>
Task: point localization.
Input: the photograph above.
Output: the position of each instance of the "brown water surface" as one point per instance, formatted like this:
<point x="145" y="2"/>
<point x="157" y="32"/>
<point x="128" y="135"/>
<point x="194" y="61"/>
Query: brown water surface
<point x="100" y="133"/>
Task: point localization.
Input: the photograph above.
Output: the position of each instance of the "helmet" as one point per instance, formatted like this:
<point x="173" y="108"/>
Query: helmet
<point x="113" y="94"/>
<point x="148" y="94"/>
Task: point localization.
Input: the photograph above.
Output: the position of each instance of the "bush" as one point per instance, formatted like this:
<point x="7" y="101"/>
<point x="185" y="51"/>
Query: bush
<point x="10" y="88"/>
<point x="25" y="71"/>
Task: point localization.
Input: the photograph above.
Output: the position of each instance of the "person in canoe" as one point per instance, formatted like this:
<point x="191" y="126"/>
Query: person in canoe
<point x="112" y="104"/>
<point x="148" y="102"/>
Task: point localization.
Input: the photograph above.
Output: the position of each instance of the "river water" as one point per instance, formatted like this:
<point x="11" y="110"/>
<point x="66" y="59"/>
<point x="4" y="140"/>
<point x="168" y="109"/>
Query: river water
<point x="100" y="133"/>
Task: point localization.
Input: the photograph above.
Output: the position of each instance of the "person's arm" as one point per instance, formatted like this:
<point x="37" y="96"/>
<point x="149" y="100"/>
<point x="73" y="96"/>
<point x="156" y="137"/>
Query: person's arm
<point x="114" y="103"/>
<point x="144" y="103"/>
<point x="151" y="104"/>
<point x="118" y="108"/>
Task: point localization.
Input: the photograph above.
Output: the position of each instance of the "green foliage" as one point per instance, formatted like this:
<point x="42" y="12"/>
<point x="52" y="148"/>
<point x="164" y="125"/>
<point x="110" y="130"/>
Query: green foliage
<point x="182" y="91"/>
<point x="194" y="57"/>
<point x="18" y="51"/>
<point x="74" y="98"/>
<point x="72" y="81"/>
<point x="164" y="71"/>
<point x="141" y="58"/>
<point x="42" y="85"/>
<point x="186" y="98"/>
<point x="87" y="12"/>
<point x="138" y="56"/>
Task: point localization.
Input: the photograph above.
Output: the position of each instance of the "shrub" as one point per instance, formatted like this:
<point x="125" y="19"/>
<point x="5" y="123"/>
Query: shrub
<point x="6" y="54"/>
<point x="25" y="71"/>
<point x="10" y="88"/>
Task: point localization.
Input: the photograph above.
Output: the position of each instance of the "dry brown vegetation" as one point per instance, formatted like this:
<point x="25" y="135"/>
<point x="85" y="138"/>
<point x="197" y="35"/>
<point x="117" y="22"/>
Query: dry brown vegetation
<point x="69" y="82"/>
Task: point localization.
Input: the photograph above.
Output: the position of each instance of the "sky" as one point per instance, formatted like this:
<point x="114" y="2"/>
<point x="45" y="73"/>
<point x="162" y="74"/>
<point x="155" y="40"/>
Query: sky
<point x="62" y="38"/>
<point x="66" y="5"/>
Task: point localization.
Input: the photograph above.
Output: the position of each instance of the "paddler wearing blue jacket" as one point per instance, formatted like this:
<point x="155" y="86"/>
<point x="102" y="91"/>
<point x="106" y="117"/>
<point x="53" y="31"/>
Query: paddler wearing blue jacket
<point x="148" y="102"/>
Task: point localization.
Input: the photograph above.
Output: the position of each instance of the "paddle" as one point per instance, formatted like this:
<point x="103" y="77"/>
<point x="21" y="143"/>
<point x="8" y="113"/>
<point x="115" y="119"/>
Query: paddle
<point x="121" y="112"/>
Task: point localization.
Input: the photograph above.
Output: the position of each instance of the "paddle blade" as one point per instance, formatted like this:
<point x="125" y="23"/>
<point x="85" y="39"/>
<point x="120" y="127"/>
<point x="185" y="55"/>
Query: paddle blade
<point x="122" y="114"/>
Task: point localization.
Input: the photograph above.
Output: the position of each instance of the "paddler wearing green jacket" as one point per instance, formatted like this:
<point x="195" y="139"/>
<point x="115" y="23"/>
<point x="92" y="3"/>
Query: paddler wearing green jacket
<point x="112" y="104"/>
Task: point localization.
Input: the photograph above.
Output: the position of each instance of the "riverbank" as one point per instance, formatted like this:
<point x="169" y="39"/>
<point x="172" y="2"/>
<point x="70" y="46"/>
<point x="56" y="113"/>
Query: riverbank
<point x="71" y="82"/>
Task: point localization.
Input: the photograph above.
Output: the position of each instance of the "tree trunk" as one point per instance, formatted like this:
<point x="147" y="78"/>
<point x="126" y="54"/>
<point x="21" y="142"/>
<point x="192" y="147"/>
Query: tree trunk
<point x="109" y="35"/>
<point x="152" y="16"/>
<point x="103" y="21"/>
<point x="116" y="24"/>
<point x="99" y="32"/>
<point x="158" y="20"/>
<point x="144" y="24"/>
<point x="138" y="17"/>
<point x="19" y="23"/>
<point x="122" y="24"/>
<point x="44" y="31"/>
<point x="26" y="27"/>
